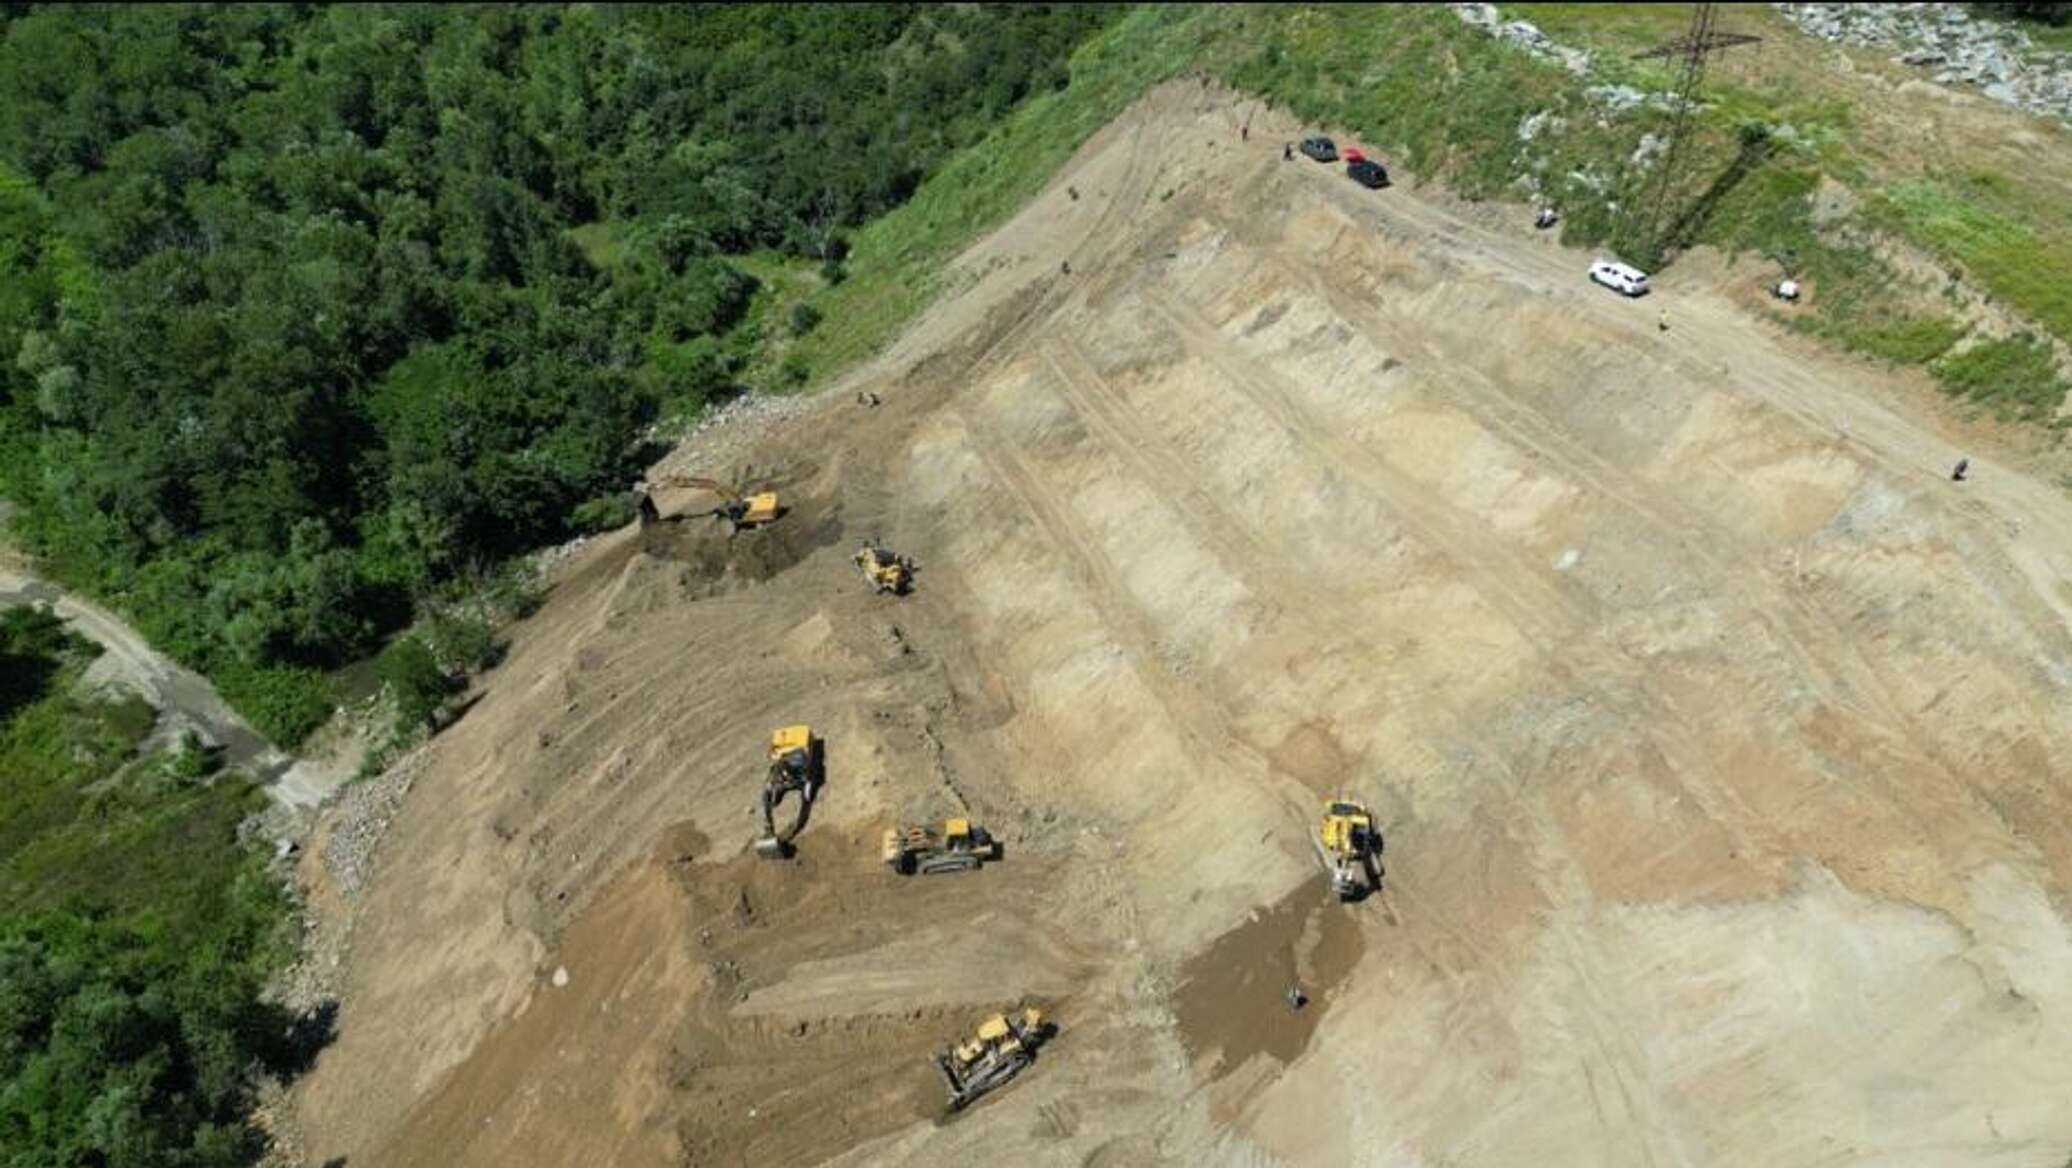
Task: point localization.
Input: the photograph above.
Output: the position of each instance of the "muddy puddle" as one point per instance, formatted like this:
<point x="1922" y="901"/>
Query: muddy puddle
<point x="1233" y="997"/>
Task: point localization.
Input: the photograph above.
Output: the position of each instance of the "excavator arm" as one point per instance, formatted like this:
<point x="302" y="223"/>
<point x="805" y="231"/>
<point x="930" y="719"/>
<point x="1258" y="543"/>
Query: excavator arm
<point x="794" y="771"/>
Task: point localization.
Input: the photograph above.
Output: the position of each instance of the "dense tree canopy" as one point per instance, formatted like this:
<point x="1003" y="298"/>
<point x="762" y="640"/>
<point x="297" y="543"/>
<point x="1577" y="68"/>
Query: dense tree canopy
<point x="294" y="329"/>
<point x="292" y="325"/>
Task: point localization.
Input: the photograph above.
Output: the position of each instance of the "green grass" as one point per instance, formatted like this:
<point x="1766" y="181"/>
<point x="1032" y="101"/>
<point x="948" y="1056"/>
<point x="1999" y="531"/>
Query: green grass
<point x="2015" y="377"/>
<point x="2012" y="238"/>
<point x="2021" y="254"/>
<point x="603" y="244"/>
<point x="895" y="266"/>
<point x="1621" y="28"/>
<point x="2050" y="38"/>
<point x="765" y="346"/>
<point x="85" y="821"/>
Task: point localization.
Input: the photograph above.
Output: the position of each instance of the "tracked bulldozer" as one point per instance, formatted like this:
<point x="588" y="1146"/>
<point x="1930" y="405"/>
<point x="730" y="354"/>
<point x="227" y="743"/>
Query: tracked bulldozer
<point x="884" y="570"/>
<point x="1004" y="1046"/>
<point x="795" y="768"/>
<point x="741" y="510"/>
<point x="959" y="846"/>
<point x="1351" y="849"/>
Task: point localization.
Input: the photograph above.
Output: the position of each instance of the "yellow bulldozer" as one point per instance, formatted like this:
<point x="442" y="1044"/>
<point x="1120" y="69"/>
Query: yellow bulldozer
<point x="797" y="766"/>
<point x="741" y="510"/>
<point x="884" y="570"/>
<point x="1004" y="1046"/>
<point x="1351" y="848"/>
<point x="959" y="846"/>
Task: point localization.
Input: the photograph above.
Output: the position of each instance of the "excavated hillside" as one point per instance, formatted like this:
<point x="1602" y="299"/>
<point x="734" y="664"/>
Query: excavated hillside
<point x="1719" y="739"/>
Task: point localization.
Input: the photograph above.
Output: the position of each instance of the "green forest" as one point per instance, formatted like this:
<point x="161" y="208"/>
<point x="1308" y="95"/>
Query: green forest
<point x="298" y="330"/>
<point x="311" y="316"/>
<point x="312" y="319"/>
<point x="136" y="933"/>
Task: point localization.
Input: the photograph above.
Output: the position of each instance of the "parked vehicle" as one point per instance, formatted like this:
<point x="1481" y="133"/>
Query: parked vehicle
<point x="1368" y="173"/>
<point x="1320" y="148"/>
<point x="1621" y="278"/>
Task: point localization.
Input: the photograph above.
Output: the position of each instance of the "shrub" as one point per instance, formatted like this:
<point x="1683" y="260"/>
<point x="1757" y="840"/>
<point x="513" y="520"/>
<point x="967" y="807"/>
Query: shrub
<point x="463" y="640"/>
<point x="284" y="702"/>
<point x="803" y="319"/>
<point x="606" y="513"/>
<point x="2016" y="376"/>
<point x="412" y="674"/>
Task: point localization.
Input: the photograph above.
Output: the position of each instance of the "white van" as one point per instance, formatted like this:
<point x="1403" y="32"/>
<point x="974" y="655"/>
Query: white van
<point x="1620" y="278"/>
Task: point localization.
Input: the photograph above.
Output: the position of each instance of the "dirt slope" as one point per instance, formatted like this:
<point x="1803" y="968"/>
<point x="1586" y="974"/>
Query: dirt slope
<point x="1719" y="740"/>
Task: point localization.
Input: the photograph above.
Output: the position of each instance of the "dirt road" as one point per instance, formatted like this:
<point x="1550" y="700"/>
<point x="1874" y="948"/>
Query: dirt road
<point x="1718" y="739"/>
<point x="129" y="661"/>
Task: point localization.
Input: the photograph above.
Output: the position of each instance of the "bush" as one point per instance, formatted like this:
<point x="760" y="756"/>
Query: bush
<point x="605" y="513"/>
<point x="2056" y="13"/>
<point x="194" y="760"/>
<point x="284" y="702"/>
<point x="33" y="645"/>
<point x="2016" y="376"/>
<point x="803" y="319"/>
<point x="517" y="591"/>
<point x="411" y="672"/>
<point x="463" y="641"/>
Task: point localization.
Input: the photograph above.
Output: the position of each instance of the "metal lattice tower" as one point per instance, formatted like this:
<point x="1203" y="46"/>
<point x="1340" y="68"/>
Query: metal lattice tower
<point x="1650" y="207"/>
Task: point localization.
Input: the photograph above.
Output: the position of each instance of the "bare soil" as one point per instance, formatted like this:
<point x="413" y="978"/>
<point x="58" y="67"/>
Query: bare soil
<point x="1719" y="740"/>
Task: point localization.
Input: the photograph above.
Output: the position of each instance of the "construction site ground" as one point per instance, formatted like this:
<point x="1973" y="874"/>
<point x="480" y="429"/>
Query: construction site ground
<point x="1719" y="739"/>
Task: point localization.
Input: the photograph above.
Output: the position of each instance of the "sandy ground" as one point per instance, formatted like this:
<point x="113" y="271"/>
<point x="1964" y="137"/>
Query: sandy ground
<point x="1718" y="738"/>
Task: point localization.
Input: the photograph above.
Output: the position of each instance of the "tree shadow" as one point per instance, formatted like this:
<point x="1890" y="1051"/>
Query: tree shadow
<point x="23" y="679"/>
<point x="299" y="1039"/>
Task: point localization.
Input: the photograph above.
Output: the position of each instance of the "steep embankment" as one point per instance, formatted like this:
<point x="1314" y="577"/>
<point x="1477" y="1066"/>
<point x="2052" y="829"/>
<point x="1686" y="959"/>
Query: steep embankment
<point x="1715" y="732"/>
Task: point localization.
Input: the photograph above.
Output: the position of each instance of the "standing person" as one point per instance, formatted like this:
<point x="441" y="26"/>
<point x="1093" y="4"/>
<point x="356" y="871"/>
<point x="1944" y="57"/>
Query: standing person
<point x="1662" y="321"/>
<point x="1287" y="152"/>
<point x="1957" y="472"/>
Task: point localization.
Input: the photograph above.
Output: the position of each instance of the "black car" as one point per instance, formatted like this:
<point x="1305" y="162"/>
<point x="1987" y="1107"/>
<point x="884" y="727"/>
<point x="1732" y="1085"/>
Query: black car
<point x="1368" y="173"/>
<point x="1320" y="148"/>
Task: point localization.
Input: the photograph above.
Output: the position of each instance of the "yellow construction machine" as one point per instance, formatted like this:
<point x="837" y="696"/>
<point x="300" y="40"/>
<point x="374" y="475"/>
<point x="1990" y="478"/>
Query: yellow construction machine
<point x="1004" y="1046"/>
<point x="1351" y="848"/>
<point x="959" y="846"/>
<point x="739" y="509"/>
<point x="796" y="767"/>
<point x="885" y="571"/>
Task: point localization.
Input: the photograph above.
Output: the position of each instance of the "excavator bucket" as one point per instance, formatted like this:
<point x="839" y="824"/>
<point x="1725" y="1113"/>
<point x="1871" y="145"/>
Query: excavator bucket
<point x="794" y="770"/>
<point x="1350" y="848"/>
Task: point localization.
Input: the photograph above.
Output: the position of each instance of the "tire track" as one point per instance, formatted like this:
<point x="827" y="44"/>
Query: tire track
<point x="1859" y="689"/>
<point x="1539" y="611"/>
<point x="1571" y="660"/>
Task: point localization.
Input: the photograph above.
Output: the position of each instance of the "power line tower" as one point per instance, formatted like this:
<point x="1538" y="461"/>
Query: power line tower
<point x="1649" y="210"/>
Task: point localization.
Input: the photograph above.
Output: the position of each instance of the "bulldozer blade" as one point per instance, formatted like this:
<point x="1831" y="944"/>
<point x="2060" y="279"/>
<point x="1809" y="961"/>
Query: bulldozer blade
<point x="770" y="847"/>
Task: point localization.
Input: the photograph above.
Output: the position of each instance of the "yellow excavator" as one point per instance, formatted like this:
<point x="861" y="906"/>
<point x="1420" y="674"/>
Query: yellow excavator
<point x="740" y="510"/>
<point x="797" y="766"/>
<point x="884" y="570"/>
<point x="959" y="846"/>
<point x="1351" y="848"/>
<point x="1004" y="1046"/>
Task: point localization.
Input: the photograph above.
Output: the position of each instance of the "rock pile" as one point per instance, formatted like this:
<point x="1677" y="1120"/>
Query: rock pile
<point x="1525" y="35"/>
<point x="1996" y="57"/>
<point x="363" y="815"/>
